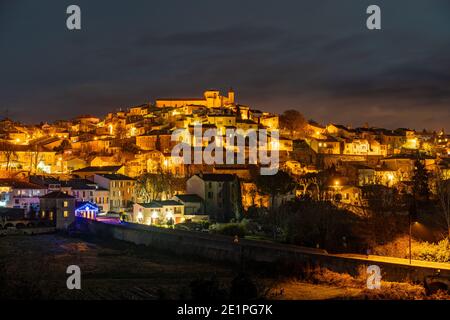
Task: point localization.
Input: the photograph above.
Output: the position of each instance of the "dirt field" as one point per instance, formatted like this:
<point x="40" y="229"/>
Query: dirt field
<point x="35" y="267"/>
<point x="110" y="270"/>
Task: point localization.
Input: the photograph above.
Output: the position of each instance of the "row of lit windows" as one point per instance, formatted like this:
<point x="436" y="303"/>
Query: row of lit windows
<point x="120" y="184"/>
<point x="120" y="193"/>
<point x="51" y="215"/>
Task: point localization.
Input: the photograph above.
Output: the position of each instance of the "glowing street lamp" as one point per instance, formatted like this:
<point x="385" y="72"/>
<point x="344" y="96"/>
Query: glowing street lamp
<point x="154" y="217"/>
<point x="390" y="178"/>
<point x="169" y="216"/>
<point x="412" y="217"/>
<point x="140" y="216"/>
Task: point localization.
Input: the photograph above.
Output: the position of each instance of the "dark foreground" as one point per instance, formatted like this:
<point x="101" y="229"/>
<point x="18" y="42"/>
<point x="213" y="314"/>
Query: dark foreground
<point x="34" y="267"/>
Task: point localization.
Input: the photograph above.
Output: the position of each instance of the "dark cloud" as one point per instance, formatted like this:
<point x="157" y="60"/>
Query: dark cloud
<point x="228" y="38"/>
<point x="314" y="56"/>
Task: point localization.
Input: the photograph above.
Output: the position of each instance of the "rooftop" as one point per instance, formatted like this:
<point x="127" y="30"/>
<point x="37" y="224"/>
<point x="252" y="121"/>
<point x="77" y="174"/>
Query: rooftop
<point x="99" y="169"/>
<point x="189" y="198"/>
<point x="20" y="184"/>
<point x="57" y="195"/>
<point x="81" y="184"/>
<point x="160" y="203"/>
<point x="115" y="176"/>
<point x="217" y="177"/>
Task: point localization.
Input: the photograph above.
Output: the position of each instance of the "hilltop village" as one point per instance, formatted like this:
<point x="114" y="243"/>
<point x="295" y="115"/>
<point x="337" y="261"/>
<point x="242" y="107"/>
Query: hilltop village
<point x="122" y="166"/>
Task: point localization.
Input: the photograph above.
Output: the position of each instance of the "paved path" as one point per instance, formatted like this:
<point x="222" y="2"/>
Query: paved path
<point x="417" y="263"/>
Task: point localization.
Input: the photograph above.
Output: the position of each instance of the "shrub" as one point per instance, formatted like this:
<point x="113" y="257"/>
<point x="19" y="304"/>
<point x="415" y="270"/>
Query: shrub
<point x="439" y="252"/>
<point x="388" y="290"/>
<point x="230" y="229"/>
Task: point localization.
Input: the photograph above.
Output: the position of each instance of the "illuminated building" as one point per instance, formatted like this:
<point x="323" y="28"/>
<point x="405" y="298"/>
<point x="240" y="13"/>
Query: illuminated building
<point x="121" y="190"/>
<point x="211" y="99"/>
<point x="193" y="207"/>
<point x="21" y="194"/>
<point x="158" y="212"/>
<point x="88" y="191"/>
<point x="86" y="210"/>
<point x="221" y="194"/>
<point x="58" y="207"/>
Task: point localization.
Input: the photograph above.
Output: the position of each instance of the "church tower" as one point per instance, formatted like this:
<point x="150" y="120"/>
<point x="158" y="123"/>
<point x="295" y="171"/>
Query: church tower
<point x="231" y="96"/>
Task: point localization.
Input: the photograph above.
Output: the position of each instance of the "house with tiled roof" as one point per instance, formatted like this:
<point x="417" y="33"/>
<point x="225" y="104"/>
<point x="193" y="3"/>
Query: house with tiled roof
<point x="59" y="208"/>
<point x="15" y="193"/>
<point x="159" y="212"/>
<point x="194" y="208"/>
<point x="121" y="190"/>
<point x="221" y="194"/>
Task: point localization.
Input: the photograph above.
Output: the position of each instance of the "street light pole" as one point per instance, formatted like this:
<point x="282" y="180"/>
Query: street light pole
<point x="412" y="213"/>
<point x="410" y="236"/>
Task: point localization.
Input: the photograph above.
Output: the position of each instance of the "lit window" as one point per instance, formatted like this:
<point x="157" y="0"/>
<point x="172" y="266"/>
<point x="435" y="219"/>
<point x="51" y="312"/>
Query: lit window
<point x="66" y="204"/>
<point x="66" y="214"/>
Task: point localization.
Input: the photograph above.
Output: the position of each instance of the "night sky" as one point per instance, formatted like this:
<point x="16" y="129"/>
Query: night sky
<point x="313" y="56"/>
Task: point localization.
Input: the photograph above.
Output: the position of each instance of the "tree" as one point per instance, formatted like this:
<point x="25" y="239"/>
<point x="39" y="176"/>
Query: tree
<point x="155" y="186"/>
<point x="443" y="196"/>
<point x="317" y="184"/>
<point x="380" y="200"/>
<point x="379" y="222"/>
<point x="34" y="158"/>
<point x="310" y="223"/>
<point x="420" y="179"/>
<point x="9" y="153"/>
<point x="279" y="184"/>
<point x="253" y="192"/>
<point x="292" y="121"/>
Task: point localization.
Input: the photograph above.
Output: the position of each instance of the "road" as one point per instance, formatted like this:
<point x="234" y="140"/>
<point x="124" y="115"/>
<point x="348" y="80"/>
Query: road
<point x="400" y="261"/>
